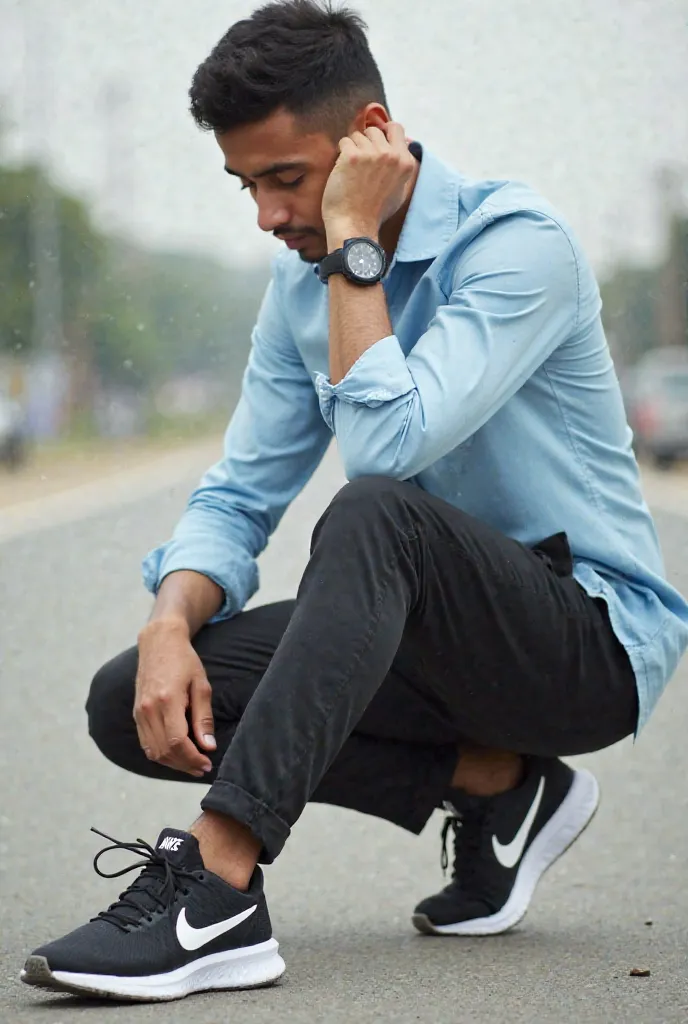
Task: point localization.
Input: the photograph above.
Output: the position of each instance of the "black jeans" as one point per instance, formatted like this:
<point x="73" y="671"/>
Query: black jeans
<point x="415" y="627"/>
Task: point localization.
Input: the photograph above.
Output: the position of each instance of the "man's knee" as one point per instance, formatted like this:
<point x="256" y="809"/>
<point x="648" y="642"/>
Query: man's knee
<point x="361" y="504"/>
<point x="368" y="496"/>
<point x="110" y="704"/>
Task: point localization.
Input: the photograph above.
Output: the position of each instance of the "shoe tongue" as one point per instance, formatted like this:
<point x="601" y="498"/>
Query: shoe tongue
<point x="180" y="848"/>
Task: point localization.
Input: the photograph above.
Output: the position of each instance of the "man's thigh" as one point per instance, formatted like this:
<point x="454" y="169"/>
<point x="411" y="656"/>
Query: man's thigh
<point x="509" y="643"/>
<point x="235" y="654"/>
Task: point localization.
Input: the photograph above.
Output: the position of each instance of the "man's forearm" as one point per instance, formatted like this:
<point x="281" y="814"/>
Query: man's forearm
<point x="185" y="600"/>
<point x="358" y="315"/>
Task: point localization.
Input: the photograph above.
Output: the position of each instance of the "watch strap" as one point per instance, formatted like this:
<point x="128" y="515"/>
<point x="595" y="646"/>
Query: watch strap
<point x="333" y="263"/>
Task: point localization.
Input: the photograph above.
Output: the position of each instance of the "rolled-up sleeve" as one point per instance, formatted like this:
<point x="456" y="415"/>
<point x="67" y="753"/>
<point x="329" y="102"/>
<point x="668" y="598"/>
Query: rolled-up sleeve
<point x="379" y="376"/>
<point x="273" y="444"/>
<point x="513" y="298"/>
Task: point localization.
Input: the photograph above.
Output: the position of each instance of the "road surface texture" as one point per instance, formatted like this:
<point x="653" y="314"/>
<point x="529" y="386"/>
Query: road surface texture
<point x="342" y="892"/>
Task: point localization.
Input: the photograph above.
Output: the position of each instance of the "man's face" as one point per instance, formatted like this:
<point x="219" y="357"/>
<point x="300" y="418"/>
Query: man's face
<point x="286" y="168"/>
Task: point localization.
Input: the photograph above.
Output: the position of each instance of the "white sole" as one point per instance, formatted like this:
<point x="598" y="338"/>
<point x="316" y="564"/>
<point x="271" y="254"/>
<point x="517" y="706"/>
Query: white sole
<point x="570" y="819"/>
<point x="247" y="967"/>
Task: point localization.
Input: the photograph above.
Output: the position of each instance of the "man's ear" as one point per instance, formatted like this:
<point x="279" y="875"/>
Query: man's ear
<point x="373" y="115"/>
<point x="376" y="116"/>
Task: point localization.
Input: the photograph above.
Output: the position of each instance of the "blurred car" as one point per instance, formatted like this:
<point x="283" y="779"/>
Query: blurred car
<point x="13" y="442"/>
<point x="656" y="397"/>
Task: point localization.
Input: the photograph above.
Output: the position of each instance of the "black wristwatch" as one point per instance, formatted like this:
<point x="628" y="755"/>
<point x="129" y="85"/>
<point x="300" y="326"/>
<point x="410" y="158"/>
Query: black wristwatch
<point x="361" y="261"/>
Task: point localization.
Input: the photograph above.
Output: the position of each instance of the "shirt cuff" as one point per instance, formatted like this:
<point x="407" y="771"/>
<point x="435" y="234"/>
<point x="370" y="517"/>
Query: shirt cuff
<point x="379" y="375"/>
<point x="235" y="572"/>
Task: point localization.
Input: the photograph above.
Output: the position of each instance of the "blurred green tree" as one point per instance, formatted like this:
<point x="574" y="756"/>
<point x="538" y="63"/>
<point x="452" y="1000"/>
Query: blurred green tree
<point x="647" y="307"/>
<point x="130" y="317"/>
<point x="81" y="249"/>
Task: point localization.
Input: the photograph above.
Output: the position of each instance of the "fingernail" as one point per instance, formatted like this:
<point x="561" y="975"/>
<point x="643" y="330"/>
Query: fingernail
<point x="209" y="740"/>
<point x="208" y="769"/>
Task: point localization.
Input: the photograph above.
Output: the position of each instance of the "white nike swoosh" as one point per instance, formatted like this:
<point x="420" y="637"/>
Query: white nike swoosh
<point x="193" y="938"/>
<point x="509" y="855"/>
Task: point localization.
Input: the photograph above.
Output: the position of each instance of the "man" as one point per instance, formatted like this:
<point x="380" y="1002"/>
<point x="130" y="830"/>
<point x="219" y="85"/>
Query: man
<point x="485" y="596"/>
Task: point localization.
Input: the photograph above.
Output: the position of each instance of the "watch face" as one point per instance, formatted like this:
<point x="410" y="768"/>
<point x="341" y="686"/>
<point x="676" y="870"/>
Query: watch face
<point x="364" y="260"/>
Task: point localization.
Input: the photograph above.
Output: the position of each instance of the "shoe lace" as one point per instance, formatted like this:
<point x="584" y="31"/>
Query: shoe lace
<point x="468" y="829"/>
<point x="154" y="889"/>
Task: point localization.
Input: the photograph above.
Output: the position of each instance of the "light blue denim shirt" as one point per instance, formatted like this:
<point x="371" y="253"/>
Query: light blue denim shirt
<point x="496" y="392"/>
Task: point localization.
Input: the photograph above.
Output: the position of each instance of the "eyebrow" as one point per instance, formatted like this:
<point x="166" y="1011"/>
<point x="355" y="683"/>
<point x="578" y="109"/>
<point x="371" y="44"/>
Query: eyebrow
<point x="273" y="169"/>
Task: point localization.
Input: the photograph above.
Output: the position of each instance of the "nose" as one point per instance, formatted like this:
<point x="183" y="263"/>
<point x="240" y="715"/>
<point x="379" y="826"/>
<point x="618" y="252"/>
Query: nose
<point x="272" y="213"/>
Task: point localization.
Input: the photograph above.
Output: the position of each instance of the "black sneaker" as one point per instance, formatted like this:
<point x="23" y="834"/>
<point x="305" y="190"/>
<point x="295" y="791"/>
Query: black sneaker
<point x="503" y="844"/>
<point x="177" y="929"/>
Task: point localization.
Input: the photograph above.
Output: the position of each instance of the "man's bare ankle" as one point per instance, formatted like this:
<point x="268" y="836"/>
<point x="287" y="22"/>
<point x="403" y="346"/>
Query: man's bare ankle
<point x="482" y="772"/>
<point x="228" y="848"/>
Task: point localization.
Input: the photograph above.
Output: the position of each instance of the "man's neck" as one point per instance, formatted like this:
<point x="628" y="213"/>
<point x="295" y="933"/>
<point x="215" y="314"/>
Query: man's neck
<point x="390" y="232"/>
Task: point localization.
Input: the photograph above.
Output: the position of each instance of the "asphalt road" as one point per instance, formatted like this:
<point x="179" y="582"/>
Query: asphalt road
<point x="341" y="894"/>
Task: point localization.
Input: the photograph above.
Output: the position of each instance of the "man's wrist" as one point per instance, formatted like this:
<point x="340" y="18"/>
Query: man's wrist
<point x="165" y="625"/>
<point x="338" y="231"/>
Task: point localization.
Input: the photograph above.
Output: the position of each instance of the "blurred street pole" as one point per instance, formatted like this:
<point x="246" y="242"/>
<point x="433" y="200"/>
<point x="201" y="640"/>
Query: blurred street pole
<point x="39" y="42"/>
<point x="670" y="301"/>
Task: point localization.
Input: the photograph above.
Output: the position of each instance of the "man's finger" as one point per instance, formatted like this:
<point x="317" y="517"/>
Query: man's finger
<point x="202" y="713"/>
<point x="360" y="141"/>
<point x="150" y="737"/>
<point x="184" y="756"/>
<point x="179" y="749"/>
<point x="396" y="136"/>
<point x="376" y="136"/>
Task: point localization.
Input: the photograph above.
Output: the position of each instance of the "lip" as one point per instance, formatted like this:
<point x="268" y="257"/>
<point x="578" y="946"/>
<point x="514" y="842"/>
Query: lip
<point x="295" y="242"/>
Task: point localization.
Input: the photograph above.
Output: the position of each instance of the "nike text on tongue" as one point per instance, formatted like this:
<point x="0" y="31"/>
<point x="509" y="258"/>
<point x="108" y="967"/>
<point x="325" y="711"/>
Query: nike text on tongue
<point x="171" y="843"/>
<point x="180" y="848"/>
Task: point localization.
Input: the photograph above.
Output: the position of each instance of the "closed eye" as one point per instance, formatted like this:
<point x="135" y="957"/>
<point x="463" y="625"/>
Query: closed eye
<point x="278" y="183"/>
<point x="292" y="184"/>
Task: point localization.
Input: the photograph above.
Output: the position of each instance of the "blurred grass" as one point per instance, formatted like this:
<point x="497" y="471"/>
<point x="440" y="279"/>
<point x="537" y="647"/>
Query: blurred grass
<point x="163" y="432"/>
<point x="81" y="457"/>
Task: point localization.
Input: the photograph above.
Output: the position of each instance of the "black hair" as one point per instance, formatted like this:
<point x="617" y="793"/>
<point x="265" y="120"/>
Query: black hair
<point x="301" y="55"/>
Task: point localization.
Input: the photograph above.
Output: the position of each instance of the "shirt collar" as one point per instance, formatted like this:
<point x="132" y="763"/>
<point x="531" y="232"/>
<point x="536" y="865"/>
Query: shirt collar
<point x="433" y="214"/>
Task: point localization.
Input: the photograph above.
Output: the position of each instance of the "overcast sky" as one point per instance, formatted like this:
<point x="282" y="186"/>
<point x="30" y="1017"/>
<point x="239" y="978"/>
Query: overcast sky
<point x="583" y="100"/>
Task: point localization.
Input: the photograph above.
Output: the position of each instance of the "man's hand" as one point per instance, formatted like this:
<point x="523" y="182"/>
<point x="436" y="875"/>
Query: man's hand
<point x="368" y="184"/>
<point x="171" y="678"/>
